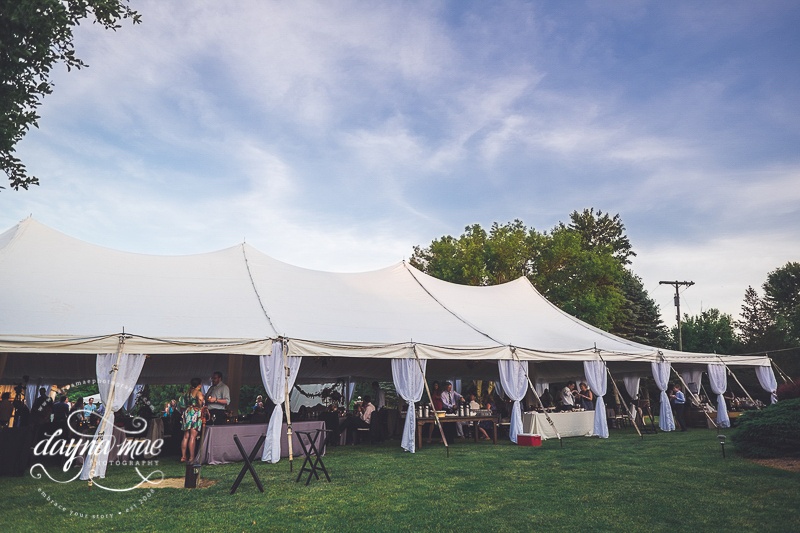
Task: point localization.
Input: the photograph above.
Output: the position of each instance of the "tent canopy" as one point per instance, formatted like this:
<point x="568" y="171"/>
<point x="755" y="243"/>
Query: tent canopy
<point x="65" y="296"/>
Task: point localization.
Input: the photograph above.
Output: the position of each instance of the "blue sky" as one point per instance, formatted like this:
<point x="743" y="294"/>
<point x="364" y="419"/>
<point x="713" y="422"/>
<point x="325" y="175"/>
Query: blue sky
<point x="338" y="135"/>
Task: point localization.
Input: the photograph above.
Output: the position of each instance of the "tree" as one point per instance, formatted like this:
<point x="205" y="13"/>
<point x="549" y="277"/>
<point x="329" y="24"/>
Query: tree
<point x="641" y="317"/>
<point x="709" y="332"/>
<point x="782" y="299"/>
<point x="602" y="232"/>
<point x="757" y="329"/>
<point x="34" y="36"/>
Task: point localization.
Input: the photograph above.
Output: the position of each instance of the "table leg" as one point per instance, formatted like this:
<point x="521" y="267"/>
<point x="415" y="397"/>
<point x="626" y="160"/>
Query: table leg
<point x="248" y="463"/>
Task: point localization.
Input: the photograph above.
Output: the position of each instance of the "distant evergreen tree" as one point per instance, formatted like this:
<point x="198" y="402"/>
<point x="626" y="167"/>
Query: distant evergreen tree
<point x="641" y="321"/>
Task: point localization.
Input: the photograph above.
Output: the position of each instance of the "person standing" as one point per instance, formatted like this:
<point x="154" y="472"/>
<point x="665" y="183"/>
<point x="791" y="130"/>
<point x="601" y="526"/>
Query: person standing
<point x="88" y="409"/>
<point x="192" y="420"/>
<point x="568" y="394"/>
<point x="678" y="401"/>
<point x="218" y="397"/>
<point x="586" y="397"/>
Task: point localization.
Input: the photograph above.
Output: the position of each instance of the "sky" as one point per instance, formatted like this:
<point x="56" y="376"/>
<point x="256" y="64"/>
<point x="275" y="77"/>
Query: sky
<point x="338" y="135"/>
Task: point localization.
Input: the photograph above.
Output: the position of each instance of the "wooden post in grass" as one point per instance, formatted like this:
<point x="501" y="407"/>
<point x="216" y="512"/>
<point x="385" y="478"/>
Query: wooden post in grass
<point x="430" y="398"/>
<point x="288" y="407"/>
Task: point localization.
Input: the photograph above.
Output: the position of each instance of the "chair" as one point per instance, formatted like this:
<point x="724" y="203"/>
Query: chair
<point x="377" y="430"/>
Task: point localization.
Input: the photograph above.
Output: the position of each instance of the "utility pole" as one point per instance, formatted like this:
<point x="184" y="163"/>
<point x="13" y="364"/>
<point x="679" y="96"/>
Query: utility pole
<point x="678" y="284"/>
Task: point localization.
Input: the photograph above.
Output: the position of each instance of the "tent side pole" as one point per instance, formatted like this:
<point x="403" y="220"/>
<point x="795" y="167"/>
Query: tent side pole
<point x="430" y="399"/>
<point x="695" y="398"/>
<point x="287" y="405"/>
<point x="536" y="394"/>
<point x="112" y="389"/>
<point x="627" y="407"/>
<point x="739" y="382"/>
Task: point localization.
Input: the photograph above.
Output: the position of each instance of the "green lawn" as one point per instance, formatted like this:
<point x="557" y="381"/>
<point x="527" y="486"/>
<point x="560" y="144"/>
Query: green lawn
<point x="668" y="481"/>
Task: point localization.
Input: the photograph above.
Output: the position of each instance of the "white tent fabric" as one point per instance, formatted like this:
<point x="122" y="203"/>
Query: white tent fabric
<point x="409" y="381"/>
<point x="632" y="385"/>
<point x="596" y="376"/>
<point x="693" y="378"/>
<point x="131" y="401"/>
<point x="515" y="384"/>
<point x="661" y="376"/>
<point x="766" y="378"/>
<point x="273" y="375"/>
<point x="116" y="378"/>
<point x="237" y="300"/>
<point x="717" y="375"/>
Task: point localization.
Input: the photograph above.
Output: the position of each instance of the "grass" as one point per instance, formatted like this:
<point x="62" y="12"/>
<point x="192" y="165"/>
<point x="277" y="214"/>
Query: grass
<point x="668" y="481"/>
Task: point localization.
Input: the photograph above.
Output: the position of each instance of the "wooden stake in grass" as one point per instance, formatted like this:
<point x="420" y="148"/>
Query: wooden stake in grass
<point x="285" y="351"/>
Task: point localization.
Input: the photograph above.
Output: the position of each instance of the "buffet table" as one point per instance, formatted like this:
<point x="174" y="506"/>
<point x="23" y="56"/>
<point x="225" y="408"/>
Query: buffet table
<point x="573" y="424"/>
<point x="217" y="445"/>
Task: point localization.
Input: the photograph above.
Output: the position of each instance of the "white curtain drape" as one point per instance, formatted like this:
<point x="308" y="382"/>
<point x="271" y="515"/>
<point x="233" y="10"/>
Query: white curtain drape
<point x="515" y="384"/>
<point x="410" y="384"/>
<point x="596" y="379"/>
<point x="131" y="401"/>
<point x="123" y="378"/>
<point x="693" y="379"/>
<point x="661" y="375"/>
<point x="718" y="377"/>
<point x="766" y="377"/>
<point x="632" y="386"/>
<point x="205" y="384"/>
<point x="498" y="388"/>
<point x="540" y="386"/>
<point x="32" y="392"/>
<point x="273" y="376"/>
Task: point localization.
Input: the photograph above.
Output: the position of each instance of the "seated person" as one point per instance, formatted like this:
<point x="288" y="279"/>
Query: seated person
<point x="474" y="406"/>
<point x="363" y="419"/>
<point x="484" y="425"/>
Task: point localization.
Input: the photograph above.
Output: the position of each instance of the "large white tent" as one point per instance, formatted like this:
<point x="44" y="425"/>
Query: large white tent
<point x="60" y="295"/>
<point x="72" y="310"/>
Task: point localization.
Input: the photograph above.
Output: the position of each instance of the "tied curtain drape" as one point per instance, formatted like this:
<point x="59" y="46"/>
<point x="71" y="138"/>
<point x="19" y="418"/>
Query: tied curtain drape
<point x="596" y="378"/>
<point x="273" y="376"/>
<point x="513" y="376"/>
<point x="116" y="383"/>
<point x="693" y="381"/>
<point x="717" y="375"/>
<point x="409" y="381"/>
<point x="661" y="376"/>
<point x="632" y="386"/>
<point x="766" y="377"/>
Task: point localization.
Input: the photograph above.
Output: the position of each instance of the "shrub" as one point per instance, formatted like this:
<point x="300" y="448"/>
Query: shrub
<point x="788" y="391"/>
<point x="770" y="432"/>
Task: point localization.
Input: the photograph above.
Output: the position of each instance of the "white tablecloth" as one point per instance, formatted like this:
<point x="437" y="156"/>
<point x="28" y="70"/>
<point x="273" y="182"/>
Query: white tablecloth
<point x="576" y="424"/>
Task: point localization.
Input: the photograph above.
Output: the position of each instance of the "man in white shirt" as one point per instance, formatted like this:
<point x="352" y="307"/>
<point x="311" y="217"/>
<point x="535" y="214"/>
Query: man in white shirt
<point x="568" y="397"/>
<point x="217" y="399"/>
<point x="450" y="398"/>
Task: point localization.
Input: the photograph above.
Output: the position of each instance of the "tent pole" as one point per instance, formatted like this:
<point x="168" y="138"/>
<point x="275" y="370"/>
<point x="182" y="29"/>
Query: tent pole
<point x="536" y="394"/>
<point x="784" y="376"/>
<point x="695" y="398"/>
<point x="739" y="382"/>
<point x="627" y="407"/>
<point x="285" y="351"/>
<point x="112" y="389"/>
<point x="430" y="399"/>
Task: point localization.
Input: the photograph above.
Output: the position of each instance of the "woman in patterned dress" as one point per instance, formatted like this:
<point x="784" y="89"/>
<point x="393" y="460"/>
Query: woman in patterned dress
<point x="191" y="422"/>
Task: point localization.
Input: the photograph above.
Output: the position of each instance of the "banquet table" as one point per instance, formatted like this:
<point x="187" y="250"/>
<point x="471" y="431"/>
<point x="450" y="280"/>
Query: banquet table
<point x="217" y="445"/>
<point x="472" y="420"/>
<point x="571" y="424"/>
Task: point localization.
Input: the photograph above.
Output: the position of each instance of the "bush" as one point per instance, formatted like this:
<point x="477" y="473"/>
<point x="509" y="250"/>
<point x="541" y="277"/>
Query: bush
<point x="770" y="432"/>
<point x="788" y="391"/>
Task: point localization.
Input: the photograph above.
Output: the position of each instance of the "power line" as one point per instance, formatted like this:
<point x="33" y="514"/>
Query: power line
<point x="677" y="285"/>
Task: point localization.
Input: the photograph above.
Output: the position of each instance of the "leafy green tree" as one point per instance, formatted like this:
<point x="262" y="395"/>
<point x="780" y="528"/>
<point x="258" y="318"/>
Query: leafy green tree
<point x="709" y="332"/>
<point x="641" y="318"/>
<point x="782" y="299"/>
<point x="602" y="232"/>
<point x="35" y="35"/>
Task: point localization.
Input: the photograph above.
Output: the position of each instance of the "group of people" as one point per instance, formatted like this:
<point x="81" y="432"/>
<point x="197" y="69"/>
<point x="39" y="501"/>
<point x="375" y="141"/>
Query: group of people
<point x="198" y="409"/>
<point x="448" y="400"/>
<point x="573" y="397"/>
<point x="44" y="409"/>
